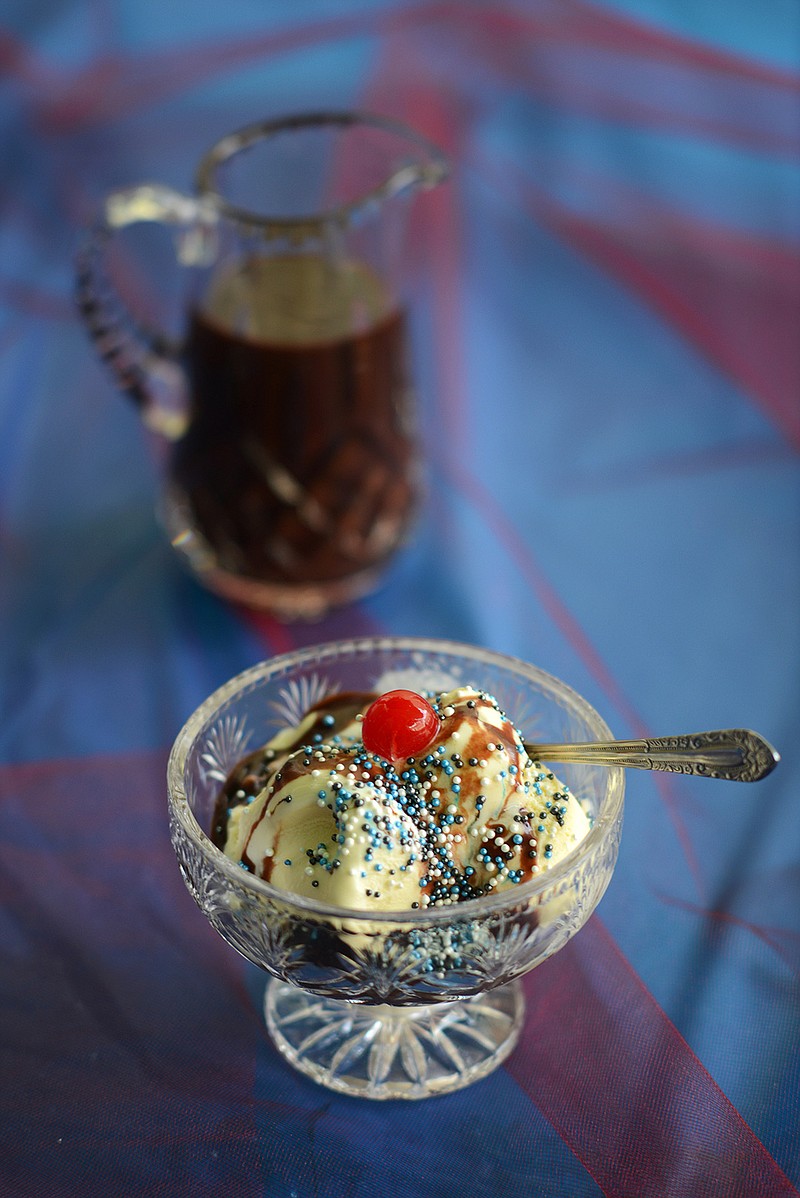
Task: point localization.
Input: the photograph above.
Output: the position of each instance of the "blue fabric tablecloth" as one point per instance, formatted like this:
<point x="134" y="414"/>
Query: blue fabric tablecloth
<point x="607" y="355"/>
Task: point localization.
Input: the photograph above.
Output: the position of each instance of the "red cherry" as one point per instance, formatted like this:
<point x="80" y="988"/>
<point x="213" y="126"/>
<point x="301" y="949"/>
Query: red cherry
<point x="399" y="724"/>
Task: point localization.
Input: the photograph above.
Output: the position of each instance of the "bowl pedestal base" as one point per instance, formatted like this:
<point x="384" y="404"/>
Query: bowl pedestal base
<point x="383" y="1051"/>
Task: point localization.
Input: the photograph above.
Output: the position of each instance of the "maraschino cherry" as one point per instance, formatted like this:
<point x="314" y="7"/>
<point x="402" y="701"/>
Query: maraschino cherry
<point x="399" y="724"/>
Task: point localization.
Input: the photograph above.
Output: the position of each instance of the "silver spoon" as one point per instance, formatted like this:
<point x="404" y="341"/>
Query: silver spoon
<point x="735" y="754"/>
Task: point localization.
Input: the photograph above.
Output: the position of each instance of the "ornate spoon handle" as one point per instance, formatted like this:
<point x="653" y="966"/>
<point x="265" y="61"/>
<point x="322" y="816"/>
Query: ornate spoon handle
<point x="735" y="754"/>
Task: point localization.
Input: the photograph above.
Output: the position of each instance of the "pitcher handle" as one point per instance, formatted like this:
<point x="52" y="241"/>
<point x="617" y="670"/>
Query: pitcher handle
<point x="145" y="363"/>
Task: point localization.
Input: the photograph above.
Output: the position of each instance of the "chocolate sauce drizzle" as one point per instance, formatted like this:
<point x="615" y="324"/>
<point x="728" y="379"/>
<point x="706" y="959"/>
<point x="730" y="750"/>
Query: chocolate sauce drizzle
<point x="255" y="771"/>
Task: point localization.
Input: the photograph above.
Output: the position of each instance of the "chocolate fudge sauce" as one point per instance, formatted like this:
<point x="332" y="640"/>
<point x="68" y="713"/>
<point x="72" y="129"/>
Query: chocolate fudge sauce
<point x="298" y="462"/>
<point x="250" y="775"/>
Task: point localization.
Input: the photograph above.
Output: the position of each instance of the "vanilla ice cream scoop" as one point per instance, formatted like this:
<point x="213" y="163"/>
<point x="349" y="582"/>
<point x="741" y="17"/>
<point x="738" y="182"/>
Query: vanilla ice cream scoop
<point x="334" y="825"/>
<point x="319" y="813"/>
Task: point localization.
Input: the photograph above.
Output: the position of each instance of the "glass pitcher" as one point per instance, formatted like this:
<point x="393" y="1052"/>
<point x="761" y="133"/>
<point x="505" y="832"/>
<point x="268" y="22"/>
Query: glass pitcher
<point x="290" y="473"/>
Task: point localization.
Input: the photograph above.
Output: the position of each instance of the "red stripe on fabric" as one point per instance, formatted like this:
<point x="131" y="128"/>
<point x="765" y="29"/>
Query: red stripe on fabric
<point x="34" y="301"/>
<point x="280" y="637"/>
<point x="402" y="86"/>
<point x="576" y="23"/>
<point x="782" y="941"/>
<point x="562" y="64"/>
<point x="276" y="635"/>
<point x="518" y="549"/>
<point x="19" y="63"/>
<point x="350" y="621"/>
<point x="761" y="360"/>
<point x="628" y="32"/>
<point x="114" y="84"/>
<point x="117" y="987"/>
<point x="27" y="773"/>
<point x="735" y="455"/>
<point x="736" y="297"/>
<point x="552" y="603"/>
<point x="604" y="1064"/>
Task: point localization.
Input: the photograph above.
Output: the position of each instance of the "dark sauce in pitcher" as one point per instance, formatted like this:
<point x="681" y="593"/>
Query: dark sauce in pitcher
<point x="298" y="463"/>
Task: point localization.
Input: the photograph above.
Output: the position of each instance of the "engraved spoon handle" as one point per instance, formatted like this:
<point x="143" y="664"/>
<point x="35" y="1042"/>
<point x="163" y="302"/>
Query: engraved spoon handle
<point x="735" y="754"/>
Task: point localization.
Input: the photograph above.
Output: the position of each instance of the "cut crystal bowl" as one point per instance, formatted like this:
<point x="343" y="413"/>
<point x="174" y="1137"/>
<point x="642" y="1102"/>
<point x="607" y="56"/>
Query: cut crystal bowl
<point x="405" y="1004"/>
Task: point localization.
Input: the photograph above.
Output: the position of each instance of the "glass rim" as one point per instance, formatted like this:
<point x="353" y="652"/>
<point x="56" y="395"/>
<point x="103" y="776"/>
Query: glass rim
<point x="425" y="174"/>
<point x="608" y="814"/>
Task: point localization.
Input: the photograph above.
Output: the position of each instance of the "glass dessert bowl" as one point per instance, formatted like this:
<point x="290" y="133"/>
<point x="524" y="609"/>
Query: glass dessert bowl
<point x="390" y="1004"/>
